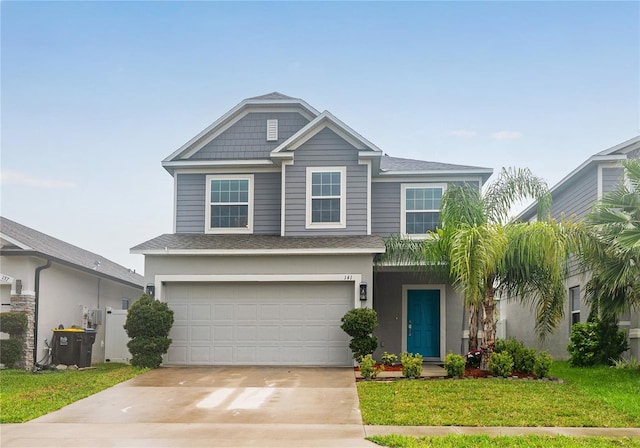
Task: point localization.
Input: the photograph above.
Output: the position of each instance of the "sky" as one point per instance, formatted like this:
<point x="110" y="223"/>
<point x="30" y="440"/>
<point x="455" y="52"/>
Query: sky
<point x="95" y="94"/>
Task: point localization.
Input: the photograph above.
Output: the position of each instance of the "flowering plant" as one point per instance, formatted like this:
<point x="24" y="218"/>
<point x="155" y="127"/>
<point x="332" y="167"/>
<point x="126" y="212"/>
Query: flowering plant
<point x="473" y="358"/>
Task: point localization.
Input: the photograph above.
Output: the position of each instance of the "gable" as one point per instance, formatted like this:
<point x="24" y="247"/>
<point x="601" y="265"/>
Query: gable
<point x="247" y="138"/>
<point x="326" y="146"/>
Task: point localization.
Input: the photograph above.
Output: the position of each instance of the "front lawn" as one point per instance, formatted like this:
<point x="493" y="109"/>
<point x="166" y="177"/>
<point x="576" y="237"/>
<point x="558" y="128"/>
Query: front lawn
<point x="600" y="397"/>
<point x="396" y="441"/>
<point x="25" y="395"/>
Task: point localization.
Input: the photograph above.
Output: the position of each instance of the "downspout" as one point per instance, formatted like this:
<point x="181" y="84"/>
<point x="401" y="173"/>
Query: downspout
<point x="35" y="312"/>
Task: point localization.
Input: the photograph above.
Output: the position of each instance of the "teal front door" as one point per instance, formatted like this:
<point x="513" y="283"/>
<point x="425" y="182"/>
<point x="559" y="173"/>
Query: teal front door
<point x="423" y="322"/>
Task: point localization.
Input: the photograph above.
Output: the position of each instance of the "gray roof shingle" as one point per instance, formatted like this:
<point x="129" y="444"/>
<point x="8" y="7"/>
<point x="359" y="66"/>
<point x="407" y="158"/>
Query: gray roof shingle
<point x="272" y="96"/>
<point x="50" y="247"/>
<point x="189" y="241"/>
<point x="388" y="163"/>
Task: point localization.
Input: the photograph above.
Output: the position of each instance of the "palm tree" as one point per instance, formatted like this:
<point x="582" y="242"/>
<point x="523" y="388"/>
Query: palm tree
<point x="486" y="253"/>
<point x="614" y="253"/>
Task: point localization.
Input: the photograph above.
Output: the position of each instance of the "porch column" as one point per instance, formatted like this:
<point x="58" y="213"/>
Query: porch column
<point x="26" y="304"/>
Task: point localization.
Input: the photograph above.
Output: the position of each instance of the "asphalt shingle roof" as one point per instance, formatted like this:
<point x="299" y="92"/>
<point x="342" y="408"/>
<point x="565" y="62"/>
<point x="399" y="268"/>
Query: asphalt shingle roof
<point x="189" y="241"/>
<point x="388" y="163"/>
<point x="51" y="247"/>
<point x="272" y="96"/>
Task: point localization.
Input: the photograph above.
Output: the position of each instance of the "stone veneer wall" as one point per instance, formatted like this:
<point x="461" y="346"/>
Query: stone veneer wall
<point x="26" y="304"/>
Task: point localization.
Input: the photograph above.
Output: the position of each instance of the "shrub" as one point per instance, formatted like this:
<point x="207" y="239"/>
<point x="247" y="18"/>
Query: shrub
<point x="613" y="341"/>
<point x="626" y="364"/>
<point x="411" y="365"/>
<point x="359" y="324"/>
<point x="501" y="364"/>
<point x="542" y="364"/>
<point x="474" y="357"/>
<point x="148" y="324"/>
<point x="454" y="365"/>
<point x="10" y="351"/>
<point x="596" y="342"/>
<point x="368" y="368"/>
<point x="13" y="323"/>
<point x="389" y="359"/>
<point x="523" y="358"/>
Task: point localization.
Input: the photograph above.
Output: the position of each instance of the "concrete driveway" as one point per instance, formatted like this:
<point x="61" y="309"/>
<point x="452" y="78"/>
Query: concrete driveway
<point x="208" y="406"/>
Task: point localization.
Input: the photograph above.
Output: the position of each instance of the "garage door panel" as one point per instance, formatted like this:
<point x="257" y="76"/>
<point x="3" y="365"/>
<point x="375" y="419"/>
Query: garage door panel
<point x="200" y="333"/>
<point x="259" y="323"/>
<point x="222" y="333"/>
<point x="180" y="312"/>
<point x="269" y="333"/>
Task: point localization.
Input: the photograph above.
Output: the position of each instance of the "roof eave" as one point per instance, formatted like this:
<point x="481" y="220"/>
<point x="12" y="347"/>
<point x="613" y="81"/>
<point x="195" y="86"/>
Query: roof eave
<point x="260" y="252"/>
<point x="484" y="173"/>
<point x="324" y="116"/>
<point x="230" y="114"/>
<point x="96" y="272"/>
<point x="598" y="158"/>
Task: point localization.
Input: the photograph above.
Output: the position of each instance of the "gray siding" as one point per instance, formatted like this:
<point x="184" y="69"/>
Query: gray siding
<point x="247" y="139"/>
<point x="266" y="203"/>
<point x="326" y="149"/>
<point x="191" y="203"/>
<point x="577" y="197"/>
<point x="385" y="208"/>
<point x="611" y="178"/>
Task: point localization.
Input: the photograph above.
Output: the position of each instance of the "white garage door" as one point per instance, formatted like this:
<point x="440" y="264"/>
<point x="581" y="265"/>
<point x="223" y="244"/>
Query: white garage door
<point x="259" y="323"/>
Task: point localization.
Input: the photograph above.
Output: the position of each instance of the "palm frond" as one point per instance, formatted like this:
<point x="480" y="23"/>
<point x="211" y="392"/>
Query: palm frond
<point x="511" y="186"/>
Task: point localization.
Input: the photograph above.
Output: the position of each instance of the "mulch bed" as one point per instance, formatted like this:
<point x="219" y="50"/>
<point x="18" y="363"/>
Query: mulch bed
<point x="469" y="372"/>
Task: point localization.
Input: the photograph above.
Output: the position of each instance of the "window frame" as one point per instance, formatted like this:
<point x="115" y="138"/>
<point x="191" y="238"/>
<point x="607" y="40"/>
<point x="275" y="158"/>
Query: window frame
<point x="309" y="224"/>
<point x="208" y="204"/>
<point x="574" y="312"/>
<point x="403" y="206"/>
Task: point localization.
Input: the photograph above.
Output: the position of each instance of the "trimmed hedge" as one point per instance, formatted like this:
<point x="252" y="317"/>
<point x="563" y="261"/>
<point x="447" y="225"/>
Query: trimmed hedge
<point x="10" y="351"/>
<point x="13" y="323"/>
<point x="148" y="324"/>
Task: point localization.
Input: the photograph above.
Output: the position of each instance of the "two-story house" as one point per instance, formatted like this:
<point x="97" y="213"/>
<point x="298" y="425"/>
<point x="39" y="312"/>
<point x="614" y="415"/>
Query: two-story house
<point x="279" y="212"/>
<point x="574" y="197"/>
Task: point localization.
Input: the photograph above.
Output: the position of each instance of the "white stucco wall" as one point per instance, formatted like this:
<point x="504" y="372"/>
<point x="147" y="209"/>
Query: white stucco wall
<point x="63" y="292"/>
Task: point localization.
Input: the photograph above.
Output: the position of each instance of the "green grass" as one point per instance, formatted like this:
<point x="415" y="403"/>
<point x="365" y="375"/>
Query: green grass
<point x="456" y="441"/>
<point x="601" y="397"/>
<point x="25" y="395"/>
<point x="617" y="388"/>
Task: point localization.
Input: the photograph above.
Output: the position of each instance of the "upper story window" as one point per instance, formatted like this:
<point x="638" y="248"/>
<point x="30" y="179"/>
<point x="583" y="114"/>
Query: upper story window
<point x="326" y="193"/>
<point x="420" y="209"/>
<point x="230" y="204"/>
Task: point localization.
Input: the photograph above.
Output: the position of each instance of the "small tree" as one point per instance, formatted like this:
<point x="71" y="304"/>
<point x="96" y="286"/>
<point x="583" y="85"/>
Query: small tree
<point x="359" y="324"/>
<point x="148" y="324"/>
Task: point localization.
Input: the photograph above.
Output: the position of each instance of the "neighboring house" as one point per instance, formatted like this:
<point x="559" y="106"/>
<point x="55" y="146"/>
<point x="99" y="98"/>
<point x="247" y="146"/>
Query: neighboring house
<point x="56" y="283"/>
<point x="573" y="197"/>
<point x="279" y="212"/>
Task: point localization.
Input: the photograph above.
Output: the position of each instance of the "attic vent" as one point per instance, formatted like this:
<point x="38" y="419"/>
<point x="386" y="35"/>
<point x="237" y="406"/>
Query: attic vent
<point x="272" y="130"/>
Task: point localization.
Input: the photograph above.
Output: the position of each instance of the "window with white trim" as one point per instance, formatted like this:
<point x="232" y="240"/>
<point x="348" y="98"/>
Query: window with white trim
<point x="420" y="210"/>
<point x="229" y="204"/>
<point x="574" y="300"/>
<point x="326" y="192"/>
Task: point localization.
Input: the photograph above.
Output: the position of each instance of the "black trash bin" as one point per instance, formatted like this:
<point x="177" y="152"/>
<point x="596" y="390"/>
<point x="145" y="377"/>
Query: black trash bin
<point x="66" y="346"/>
<point x="86" y="347"/>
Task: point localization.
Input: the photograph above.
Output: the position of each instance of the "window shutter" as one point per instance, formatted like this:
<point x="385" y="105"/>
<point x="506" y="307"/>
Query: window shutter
<point x="272" y="130"/>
